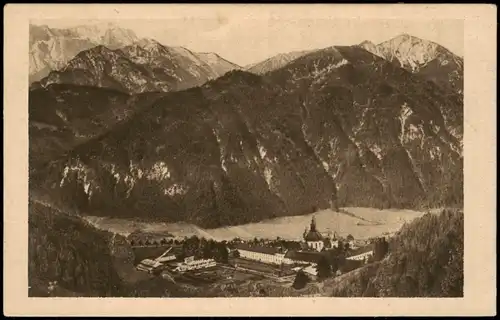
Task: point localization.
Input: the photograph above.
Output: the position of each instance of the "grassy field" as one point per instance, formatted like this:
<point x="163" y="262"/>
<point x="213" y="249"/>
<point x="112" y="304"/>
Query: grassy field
<point x="362" y="223"/>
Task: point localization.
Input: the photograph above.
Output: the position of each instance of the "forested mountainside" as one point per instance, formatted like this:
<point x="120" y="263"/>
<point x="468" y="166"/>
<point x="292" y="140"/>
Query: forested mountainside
<point x="63" y="248"/>
<point x="62" y="116"/>
<point x="425" y="58"/>
<point x="146" y="65"/>
<point x="70" y="258"/>
<point x="426" y="259"/>
<point x="337" y="125"/>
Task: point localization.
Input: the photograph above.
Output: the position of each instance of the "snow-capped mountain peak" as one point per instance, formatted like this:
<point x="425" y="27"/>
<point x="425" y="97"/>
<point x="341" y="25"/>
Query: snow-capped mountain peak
<point x="369" y="46"/>
<point x="52" y="48"/>
<point x="410" y="51"/>
<point x="421" y="56"/>
<point x="148" y="43"/>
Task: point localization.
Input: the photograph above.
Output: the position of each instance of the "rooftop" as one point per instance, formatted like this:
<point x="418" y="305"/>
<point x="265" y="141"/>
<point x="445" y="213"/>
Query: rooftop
<point x="255" y="248"/>
<point x="308" y="256"/>
<point x="150" y="263"/>
<point x="313" y="236"/>
<point x="360" y="250"/>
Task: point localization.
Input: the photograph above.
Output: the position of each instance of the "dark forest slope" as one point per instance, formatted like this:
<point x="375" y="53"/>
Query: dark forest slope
<point x="83" y="261"/>
<point x="425" y="260"/>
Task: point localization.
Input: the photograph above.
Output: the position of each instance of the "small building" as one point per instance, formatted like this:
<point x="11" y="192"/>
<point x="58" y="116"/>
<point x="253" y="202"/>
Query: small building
<point x="335" y="243"/>
<point x="303" y="257"/>
<point x="361" y="253"/>
<point x="311" y="271"/>
<point x="149" y="265"/>
<point x="362" y="256"/>
<point x="191" y="264"/>
<point x="353" y="245"/>
<point x="166" y="256"/>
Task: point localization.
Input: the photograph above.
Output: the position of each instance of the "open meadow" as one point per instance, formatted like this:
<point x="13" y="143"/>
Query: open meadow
<point x="362" y="223"/>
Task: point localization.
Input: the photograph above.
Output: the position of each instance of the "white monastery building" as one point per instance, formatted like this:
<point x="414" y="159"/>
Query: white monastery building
<point x="262" y="254"/>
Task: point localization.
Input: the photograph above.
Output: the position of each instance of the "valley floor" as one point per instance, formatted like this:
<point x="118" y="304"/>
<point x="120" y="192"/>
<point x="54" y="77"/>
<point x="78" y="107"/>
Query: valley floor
<point x="361" y="223"/>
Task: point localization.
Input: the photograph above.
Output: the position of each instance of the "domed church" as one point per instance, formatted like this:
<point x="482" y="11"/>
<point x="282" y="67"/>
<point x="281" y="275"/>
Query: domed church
<point x="313" y="238"/>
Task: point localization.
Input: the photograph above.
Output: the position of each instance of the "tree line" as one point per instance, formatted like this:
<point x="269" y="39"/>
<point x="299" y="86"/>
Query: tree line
<point x="425" y="260"/>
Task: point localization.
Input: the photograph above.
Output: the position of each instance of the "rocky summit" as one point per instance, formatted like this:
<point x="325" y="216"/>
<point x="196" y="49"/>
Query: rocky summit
<point x="51" y="48"/>
<point x="275" y="62"/>
<point x="338" y="126"/>
<point x="144" y="66"/>
<point x="426" y="58"/>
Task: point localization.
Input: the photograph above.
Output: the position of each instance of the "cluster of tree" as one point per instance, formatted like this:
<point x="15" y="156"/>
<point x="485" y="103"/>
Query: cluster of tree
<point x="425" y="260"/>
<point x="275" y="243"/>
<point x="380" y="248"/>
<point x="204" y="249"/>
<point x="154" y="242"/>
<point x="326" y="267"/>
<point x="301" y="280"/>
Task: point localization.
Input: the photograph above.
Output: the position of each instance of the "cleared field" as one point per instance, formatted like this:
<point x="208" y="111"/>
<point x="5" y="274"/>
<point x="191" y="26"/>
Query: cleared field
<point x="362" y="223"/>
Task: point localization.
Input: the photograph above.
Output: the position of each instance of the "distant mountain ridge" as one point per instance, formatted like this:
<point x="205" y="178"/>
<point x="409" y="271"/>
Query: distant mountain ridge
<point x="145" y="65"/>
<point x="52" y="48"/>
<point x="220" y="65"/>
<point x="422" y="57"/>
<point x="275" y="62"/>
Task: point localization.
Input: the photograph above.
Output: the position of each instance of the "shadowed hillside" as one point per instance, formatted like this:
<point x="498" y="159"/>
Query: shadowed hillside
<point x="63" y="116"/>
<point x="62" y="248"/>
<point x="425" y="260"/>
<point x="70" y="258"/>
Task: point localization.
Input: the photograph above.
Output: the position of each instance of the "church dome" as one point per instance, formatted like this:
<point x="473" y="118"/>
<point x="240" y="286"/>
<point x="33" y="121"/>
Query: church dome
<point x="313" y="234"/>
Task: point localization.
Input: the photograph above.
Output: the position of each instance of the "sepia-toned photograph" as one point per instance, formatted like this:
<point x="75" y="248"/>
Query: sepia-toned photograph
<point x="223" y="157"/>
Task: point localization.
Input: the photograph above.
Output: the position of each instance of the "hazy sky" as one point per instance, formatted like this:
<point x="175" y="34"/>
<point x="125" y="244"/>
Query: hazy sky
<point x="245" y="41"/>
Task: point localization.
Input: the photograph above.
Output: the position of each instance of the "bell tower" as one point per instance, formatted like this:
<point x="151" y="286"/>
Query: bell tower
<point x="313" y="224"/>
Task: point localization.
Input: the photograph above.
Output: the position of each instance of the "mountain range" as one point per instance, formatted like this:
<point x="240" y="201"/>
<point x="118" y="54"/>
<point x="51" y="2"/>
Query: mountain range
<point x="344" y="125"/>
<point x="108" y="56"/>
<point x="52" y="48"/>
<point x="84" y="55"/>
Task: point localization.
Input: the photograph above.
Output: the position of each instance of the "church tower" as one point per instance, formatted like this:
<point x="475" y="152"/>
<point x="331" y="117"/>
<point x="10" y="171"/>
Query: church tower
<point x="313" y="224"/>
<point x="313" y="238"/>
